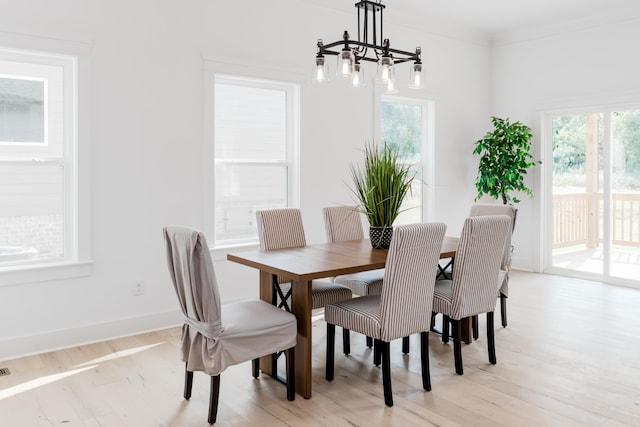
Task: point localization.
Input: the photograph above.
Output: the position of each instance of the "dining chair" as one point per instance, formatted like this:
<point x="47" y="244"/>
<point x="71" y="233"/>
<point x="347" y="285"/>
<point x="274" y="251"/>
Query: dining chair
<point x="404" y="306"/>
<point x="283" y="228"/>
<point x="342" y="223"/>
<point x="474" y="284"/>
<point x="480" y="209"/>
<point x="216" y="336"/>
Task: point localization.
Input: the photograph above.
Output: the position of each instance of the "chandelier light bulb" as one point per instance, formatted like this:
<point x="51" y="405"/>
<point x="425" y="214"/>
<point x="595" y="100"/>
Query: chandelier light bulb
<point x="415" y="76"/>
<point x="386" y="71"/>
<point x="391" y="86"/>
<point x="357" y="77"/>
<point x="345" y="63"/>
<point x="321" y="74"/>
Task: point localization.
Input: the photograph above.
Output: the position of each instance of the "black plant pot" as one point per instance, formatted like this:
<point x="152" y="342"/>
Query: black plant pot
<point x="380" y="237"/>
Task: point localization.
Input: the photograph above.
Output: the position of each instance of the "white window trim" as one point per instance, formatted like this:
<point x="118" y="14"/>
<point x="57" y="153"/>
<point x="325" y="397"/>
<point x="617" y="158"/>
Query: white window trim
<point x="77" y="212"/>
<point x="428" y="145"/>
<point x="245" y="72"/>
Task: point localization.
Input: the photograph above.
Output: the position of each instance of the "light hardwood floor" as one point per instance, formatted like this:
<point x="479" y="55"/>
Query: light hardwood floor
<point x="569" y="357"/>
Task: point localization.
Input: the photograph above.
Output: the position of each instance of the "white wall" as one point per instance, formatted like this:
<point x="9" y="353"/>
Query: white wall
<point x="579" y="65"/>
<point x="146" y="146"/>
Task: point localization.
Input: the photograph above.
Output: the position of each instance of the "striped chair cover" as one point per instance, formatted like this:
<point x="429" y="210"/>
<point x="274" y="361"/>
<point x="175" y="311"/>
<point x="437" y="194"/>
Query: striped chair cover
<point x="404" y="306"/>
<point x="283" y="228"/>
<point x="342" y="223"/>
<point x="472" y="289"/>
<point x="480" y="209"/>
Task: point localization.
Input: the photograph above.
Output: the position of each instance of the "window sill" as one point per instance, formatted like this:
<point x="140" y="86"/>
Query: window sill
<point x="44" y="272"/>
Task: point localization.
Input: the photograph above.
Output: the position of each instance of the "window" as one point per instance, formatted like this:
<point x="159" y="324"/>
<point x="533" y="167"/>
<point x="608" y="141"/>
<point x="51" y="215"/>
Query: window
<point x="404" y="125"/>
<point x="37" y="158"/>
<point x="255" y="135"/>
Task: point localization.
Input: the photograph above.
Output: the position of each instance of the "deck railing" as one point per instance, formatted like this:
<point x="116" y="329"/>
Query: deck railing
<point x="577" y="219"/>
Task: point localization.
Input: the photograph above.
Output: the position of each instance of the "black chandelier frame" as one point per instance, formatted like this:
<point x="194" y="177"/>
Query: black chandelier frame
<point x="370" y="20"/>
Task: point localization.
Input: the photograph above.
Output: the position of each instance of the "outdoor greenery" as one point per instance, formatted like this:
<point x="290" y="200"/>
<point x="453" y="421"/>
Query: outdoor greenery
<point x="381" y="184"/>
<point x="401" y="129"/>
<point x="504" y="159"/>
<point x="569" y="146"/>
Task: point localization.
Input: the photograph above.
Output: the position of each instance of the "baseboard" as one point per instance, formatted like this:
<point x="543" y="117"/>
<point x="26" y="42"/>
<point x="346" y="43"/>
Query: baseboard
<point x="13" y="348"/>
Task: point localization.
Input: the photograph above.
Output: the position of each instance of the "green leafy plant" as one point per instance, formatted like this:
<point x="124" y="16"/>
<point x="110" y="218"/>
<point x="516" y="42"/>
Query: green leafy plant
<point x="381" y="184"/>
<point x="504" y="159"/>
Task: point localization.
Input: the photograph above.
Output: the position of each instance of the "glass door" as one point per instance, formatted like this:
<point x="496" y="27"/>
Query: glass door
<point x="594" y="198"/>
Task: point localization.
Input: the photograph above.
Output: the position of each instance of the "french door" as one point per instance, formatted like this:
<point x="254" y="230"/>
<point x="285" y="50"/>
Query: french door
<point x="593" y="195"/>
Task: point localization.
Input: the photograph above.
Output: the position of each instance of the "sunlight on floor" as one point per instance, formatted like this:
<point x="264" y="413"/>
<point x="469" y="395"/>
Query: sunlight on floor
<point x="122" y="353"/>
<point x="38" y="382"/>
<point x="48" y="379"/>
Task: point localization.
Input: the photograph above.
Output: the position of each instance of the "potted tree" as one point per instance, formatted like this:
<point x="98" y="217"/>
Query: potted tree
<point x="504" y="159"/>
<point x="380" y="186"/>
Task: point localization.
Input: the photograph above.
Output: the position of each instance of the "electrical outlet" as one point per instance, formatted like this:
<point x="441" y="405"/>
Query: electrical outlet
<point x="138" y="288"/>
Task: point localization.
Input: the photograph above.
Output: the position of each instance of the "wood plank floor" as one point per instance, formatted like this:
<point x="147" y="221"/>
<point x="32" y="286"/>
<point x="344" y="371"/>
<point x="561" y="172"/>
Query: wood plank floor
<point x="570" y="357"/>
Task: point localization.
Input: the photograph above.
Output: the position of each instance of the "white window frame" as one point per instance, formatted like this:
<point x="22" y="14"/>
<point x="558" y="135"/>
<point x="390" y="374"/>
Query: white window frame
<point x="426" y="164"/>
<point x="74" y="58"/>
<point x="216" y="72"/>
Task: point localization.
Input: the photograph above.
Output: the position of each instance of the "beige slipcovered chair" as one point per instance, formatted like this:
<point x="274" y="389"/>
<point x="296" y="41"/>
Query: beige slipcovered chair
<point x="480" y="209"/>
<point x="215" y="337"/>
<point x="472" y="289"/>
<point x="404" y="306"/>
<point x="283" y="228"/>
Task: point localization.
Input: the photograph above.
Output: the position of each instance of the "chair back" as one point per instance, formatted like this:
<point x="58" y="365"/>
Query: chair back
<point x="280" y="228"/>
<point x="194" y="281"/>
<point x="480" y="209"/>
<point x="409" y="279"/>
<point x="477" y="266"/>
<point x="342" y="223"/>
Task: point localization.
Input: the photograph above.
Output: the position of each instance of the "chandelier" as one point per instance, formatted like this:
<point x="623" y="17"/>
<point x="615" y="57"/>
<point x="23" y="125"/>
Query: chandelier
<point x="366" y="48"/>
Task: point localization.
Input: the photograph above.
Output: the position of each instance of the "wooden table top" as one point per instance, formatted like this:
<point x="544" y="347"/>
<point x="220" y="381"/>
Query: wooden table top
<point x="324" y="260"/>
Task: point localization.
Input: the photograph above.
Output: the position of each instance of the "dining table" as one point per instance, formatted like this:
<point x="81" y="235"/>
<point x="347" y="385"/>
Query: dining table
<point x="303" y="264"/>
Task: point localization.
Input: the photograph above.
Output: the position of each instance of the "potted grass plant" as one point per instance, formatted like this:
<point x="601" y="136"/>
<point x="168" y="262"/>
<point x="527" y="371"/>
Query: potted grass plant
<point x="380" y="187"/>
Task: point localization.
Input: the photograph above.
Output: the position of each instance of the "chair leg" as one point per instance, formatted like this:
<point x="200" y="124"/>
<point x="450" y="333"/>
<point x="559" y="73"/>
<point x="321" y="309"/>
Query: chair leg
<point x="255" y="368"/>
<point x="405" y="345"/>
<point x="433" y="321"/>
<point x="445" y="328"/>
<point x="491" y="342"/>
<point x="503" y="310"/>
<point x="369" y="342"/>
<point x="346" y="342"/>
<point x="213" y="398"/>
<point x="188" y="382"/>
<point x="386" y="372"/>
<point x="376" y="352"/>
<point x="457" y="346"/>
<point x="331" y="338"/>
<point x="474" y="327"/>
<point x="290" y="357"/>
<point x="424" y="359"/>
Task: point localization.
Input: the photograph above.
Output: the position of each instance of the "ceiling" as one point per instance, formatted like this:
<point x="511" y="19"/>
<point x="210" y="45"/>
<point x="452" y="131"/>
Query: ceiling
<point x="496" y="16"/>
